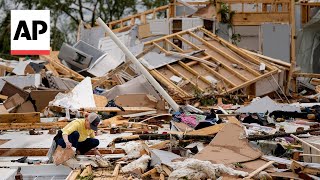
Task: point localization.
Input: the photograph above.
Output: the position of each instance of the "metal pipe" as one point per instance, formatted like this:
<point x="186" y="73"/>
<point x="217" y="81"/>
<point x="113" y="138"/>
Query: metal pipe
<point x="140" y="67"/>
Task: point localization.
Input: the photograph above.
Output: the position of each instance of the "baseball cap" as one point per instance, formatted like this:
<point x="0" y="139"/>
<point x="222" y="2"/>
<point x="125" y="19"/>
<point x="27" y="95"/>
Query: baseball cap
<point x="94" y="121"/>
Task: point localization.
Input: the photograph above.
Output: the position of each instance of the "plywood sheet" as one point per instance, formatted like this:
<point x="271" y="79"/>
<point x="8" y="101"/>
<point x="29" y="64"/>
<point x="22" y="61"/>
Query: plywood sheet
<point x="61" y="155"/>
<point x="42" y="98"/>
<point x="136" y="100"/>
<point x="229" y="146"/>
<point x="211" y="130"/>
<point x="101" y="101"/>
<point x="25" y="107"/>
<point x="144" y="31"/>
<point x="13" y="101"/>
<point x="20" y="118"/>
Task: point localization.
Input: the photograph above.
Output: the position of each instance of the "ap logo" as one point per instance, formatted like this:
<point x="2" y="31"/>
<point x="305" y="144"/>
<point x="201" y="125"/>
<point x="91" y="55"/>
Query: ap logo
<point x="30" y="32"/>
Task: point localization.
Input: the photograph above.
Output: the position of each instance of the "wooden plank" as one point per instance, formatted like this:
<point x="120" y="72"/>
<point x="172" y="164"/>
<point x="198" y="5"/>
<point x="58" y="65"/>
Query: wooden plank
<point x="215" y="73"/>
<point x="192" y="58"/>
<point x="292" y="47"/>
<point x="230" y="58"/>
<point x="174" y="46"/>
<point x="253" y="1"/>
<point x="60" y="67"/>
<point x="160" y="145"/>
<point x="115" y="109"/>
<point x="169" y="84"/>
<point x="233" y="48"/>
<point x="256" y="19"/>
<point x="177" y="73"/>
<point x="211" y="130"/>
<point x="139" y="114"/>
<point x="6" y="68"/>
<point x="272" y="60"/>
<point x="44" y="151"/>
<point x="161" y="48"/>
<point x="87" y="171"/>
<point x="251" y="81"/>
<point x="3" y="97"/>
<point x="150" y="172"/>
<point x="194" y="72"/>
<point x="16" y="126"/>
<point x="231" y="119"/>
<point x="215" y="59"/>
<point x="312" y="155"/>
<point x="304" y="142"/>
<point x="33" y="117"/>
<point x="49" y="67"/>
<point x="116" y="171"/>
<point x="308" y="75"/>
<point x="145" y="51"/>
<point x="259" y="169"/>
<point x="74" y="174"/>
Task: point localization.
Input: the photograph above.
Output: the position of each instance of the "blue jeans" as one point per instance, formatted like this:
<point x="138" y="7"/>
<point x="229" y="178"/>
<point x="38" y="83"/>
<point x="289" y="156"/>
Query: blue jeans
<point x="83" y="147"/>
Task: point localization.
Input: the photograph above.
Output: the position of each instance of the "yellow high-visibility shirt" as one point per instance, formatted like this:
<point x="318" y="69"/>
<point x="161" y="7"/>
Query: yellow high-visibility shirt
<point x="78" y="125"/>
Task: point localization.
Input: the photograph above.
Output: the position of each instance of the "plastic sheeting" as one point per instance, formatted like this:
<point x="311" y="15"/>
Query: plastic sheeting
<point x="308" y="46"/>
<point x="138" y="85"/>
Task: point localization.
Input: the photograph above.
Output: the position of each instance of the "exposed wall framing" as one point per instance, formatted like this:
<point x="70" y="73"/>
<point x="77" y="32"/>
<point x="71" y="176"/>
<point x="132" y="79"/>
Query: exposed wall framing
<point x="265" y="11"/>
<point x="232" y="67"/>
<point x="306" y="10"/>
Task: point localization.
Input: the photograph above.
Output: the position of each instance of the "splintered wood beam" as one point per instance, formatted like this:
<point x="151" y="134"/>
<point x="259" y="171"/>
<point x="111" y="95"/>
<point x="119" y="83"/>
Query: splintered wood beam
<point x="33" y="117"/>
<point x="251" y="82"/>
<point x="194" y="72"/>
<point x="174" y="71"/>
<point x="215" y="73"/>
<point x="60" y="67"/>
<point x="174" y="46"/>
<point x="234" y="48"/>
<point x="169" y="84"/>
<point x="230" y="58"/>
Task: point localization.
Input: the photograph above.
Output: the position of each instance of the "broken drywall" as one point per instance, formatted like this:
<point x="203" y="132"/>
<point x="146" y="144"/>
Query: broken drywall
<point x="162" y="157"/>
<point x="265" y="104"/>
<point x="80" y="97"/>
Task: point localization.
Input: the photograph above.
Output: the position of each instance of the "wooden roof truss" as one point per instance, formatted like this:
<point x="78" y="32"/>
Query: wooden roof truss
<point x="232" y="67"/>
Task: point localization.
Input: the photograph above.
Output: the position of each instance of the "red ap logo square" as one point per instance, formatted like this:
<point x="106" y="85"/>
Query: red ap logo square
<point x="30" y="32"/>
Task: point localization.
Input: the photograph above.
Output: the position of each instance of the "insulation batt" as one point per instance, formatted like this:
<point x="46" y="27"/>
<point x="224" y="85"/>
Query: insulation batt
<point x="133" y="149"/>
<point x="194" y="169"/>
<point x="141" y="163"/>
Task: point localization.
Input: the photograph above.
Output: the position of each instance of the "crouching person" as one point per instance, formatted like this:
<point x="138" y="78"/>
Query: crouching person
<point x="80" y="134"/>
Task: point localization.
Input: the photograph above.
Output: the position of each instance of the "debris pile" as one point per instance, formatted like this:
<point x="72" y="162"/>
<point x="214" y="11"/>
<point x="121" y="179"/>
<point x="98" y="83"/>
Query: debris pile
<point x="181" y="105"/>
